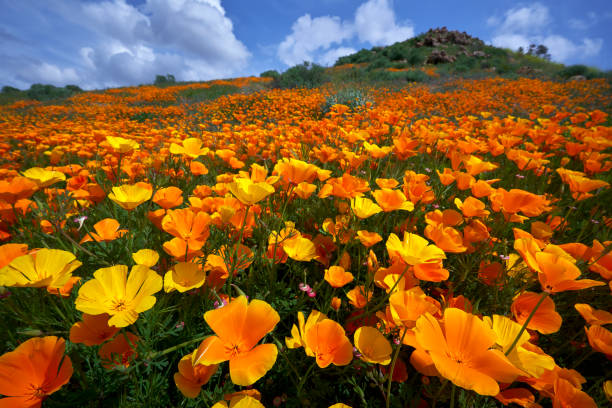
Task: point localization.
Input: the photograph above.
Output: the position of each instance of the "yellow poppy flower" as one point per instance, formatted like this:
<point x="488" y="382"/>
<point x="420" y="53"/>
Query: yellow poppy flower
<point x="130" y="196"/>
<point x="184" y="276"/>
<point x="51" y="268"/>
<point x="146" y="257"/>
<point x="122" y="297"/>
<point x="364" y="207"/>
<point x="372" y="345"/>
<point x="43" y="177"/>
<point x="122" y="145"/>
<point x="248" y="192"/>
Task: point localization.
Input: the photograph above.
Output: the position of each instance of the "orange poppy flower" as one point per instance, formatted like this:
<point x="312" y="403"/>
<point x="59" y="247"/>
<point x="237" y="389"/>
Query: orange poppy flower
<point x="386" y="183"/>
<point x="519" y="396"/>
<point x="482" y="188"/>
<point x="391" y="200"/>
<point x="106" y="230"/>
<point x="197" y="168"/>
<point x="188" y="225"/>
<point x="387" y="278"/>
<point x="304" y="190"/>
<point x="65" y="290"/>
<point x="120" y="351"/>
<point x="546" y="320"/>
<point x="16" y="189"/>
<point x="252" y="393"/>
<point x="558" y="274"/>
<point x="408" y="305"/>
<point x="357" y="298"/>
<point x="474" y="165"/>
<point x="337" y="277"/>
<point x="190" y="379"/>
<point x="600" y="339"/>
<point x="298" y="333"/>
<point x="461" y="351"/>
<point x="490" y="273"/>
<point x="346" y="186"/>
<point x="568" y="396"/>
<point x="329" y="344"/>
<point x="580" y="186"/>
<point x="169" y="197"/>
<point x="190" y="147"/>
<point x="239" y="401"/>
<point x="294" y="172"/>
<point x="8" y="252"/>
<point x="238" y="327"/>
<point x="182" y="250"/>
<point x="447" y="239"/>
<point x="368" y="238"/>
<point x="517" y="200"/>
<point x="33" y="371"/>
<point x="92" y="330"/>
<point x="593" y="316"/>
<point x="472" y="207"/>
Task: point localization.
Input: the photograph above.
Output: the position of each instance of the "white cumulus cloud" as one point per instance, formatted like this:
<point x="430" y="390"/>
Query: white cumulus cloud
<point x="310" y="35"/>
<point x="375" y="23"/>
<point x="124" y="44"/>
<point x="526" y="25"/>
<point x="312" y="39"/>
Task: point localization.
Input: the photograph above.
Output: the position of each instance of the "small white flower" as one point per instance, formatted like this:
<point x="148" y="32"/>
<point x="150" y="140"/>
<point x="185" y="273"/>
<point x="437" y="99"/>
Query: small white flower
<point x="80" y="220"/>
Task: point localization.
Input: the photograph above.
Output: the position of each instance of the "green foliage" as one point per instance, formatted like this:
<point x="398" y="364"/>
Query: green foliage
<point x="10" y="90"/>
<point x="271" y="73"/>
<point x="306" y="75"/>
<point x="354" y="98"/>
<point x="379" y="62"/>
<point x="43" y="93"/>
<point x="585" y="71"/>
<point x="167" y="80"/>
<point x="197" y="95"/>
<point x="359" y="57"/>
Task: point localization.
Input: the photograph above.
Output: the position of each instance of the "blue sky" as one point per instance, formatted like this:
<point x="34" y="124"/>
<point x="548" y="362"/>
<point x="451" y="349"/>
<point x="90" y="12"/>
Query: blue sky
<point x="108" y="43"/>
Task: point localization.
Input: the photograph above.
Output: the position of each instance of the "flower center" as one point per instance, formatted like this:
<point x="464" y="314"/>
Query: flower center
<point x="38" y="391"/>
<point x="119" y="306"/>
<point x="233" y="350"/>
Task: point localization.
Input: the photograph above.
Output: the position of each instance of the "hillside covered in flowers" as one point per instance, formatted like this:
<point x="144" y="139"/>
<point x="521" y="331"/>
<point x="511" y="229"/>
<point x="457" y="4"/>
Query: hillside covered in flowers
<point x="436" y="244"/>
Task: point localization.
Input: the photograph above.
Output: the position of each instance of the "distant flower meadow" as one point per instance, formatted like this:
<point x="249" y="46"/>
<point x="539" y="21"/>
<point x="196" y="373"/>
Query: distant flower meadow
<point x="436" y="245"/>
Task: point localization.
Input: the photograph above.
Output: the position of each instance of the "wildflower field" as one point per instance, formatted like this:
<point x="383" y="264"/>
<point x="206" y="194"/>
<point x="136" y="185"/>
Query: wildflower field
<point x="435" y="245"/>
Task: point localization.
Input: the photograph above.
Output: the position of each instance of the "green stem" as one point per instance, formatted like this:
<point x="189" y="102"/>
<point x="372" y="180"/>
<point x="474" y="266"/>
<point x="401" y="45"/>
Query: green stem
<point x="156" y="354"/>
<point x="581" y="360"/>
<point x="282" y="349"/>
<point x="235" y="251"/>
<point x="383" y="302"/>
<point x="452" y="401"/>
<point x="435" y="401"/>
<point x="524" y="327"/>
<point x="304" y="378"/>
<point x="395" y="355"/>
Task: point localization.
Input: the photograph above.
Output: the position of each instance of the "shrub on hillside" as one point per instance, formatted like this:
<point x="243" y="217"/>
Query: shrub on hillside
<point x="306" y="75"/>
